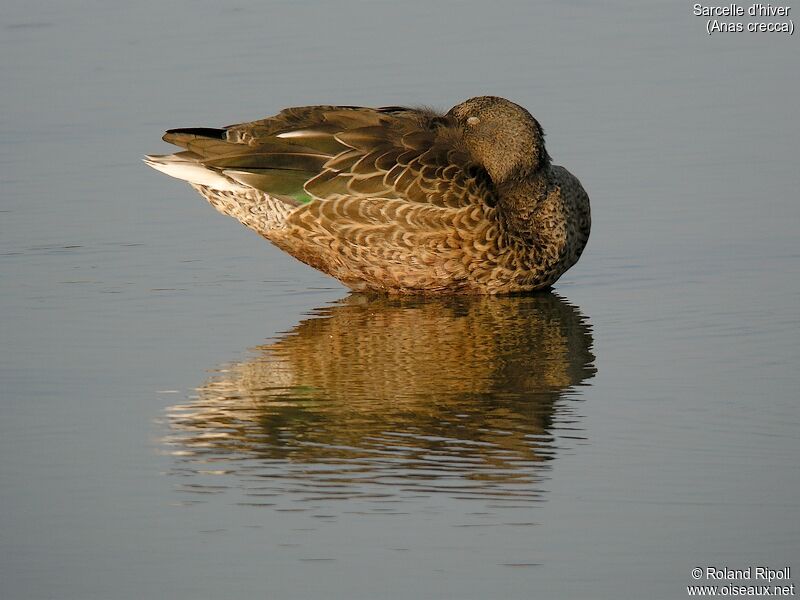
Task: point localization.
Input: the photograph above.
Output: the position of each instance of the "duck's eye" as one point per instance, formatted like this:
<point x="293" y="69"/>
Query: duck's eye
<point x="472" y="121"/>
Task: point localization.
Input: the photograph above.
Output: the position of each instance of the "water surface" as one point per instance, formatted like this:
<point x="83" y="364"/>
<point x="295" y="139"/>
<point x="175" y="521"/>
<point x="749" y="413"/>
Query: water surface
<point x="392" y="400"/>
<point x="186" y="412"/>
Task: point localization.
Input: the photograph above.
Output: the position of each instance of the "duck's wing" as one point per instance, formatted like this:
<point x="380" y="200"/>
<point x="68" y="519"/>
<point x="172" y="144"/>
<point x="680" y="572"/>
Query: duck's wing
<point x="385" y="198"/>
<point x="336" y="152"/>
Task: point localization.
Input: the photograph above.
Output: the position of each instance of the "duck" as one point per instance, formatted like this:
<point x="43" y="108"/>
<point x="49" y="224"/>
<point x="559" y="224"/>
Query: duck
<point x="397" y="200"/>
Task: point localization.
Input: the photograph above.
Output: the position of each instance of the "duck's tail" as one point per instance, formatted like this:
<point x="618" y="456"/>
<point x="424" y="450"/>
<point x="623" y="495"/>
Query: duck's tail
<point x="187" y="167"/>
<point x="227" y="189"/>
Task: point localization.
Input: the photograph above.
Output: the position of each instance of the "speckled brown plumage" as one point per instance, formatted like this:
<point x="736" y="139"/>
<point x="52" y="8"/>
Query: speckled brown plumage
<point x="394" y="199"/>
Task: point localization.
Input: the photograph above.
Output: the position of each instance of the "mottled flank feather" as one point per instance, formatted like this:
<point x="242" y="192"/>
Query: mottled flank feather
<point x="395" y="199"/>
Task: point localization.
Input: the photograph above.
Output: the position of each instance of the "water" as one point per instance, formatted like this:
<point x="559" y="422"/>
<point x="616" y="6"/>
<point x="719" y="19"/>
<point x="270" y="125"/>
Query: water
<point x="188" y="413"/>
<point x="392" y="400"/>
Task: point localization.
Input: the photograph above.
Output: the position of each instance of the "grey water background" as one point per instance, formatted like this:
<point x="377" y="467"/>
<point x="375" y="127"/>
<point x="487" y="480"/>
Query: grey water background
<point x="187" y="413"/>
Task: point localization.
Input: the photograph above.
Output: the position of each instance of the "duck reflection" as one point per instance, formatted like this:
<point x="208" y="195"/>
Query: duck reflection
<point x="377" y="397"/>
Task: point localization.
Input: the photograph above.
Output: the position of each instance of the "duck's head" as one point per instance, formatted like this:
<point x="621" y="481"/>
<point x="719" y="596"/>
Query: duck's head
<point x="502" y="136"/>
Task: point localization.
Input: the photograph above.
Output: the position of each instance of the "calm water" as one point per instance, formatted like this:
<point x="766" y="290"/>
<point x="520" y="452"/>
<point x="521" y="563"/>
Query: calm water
<point x="187" y="413"/>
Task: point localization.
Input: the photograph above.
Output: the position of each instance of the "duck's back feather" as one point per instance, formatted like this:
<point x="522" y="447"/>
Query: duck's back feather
<point x="332" y="152"/>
